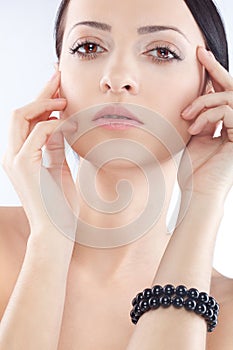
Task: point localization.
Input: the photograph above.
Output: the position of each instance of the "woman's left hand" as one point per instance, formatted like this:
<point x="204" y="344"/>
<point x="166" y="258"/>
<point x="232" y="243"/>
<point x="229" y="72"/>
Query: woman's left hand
<point x="212" y="157"/>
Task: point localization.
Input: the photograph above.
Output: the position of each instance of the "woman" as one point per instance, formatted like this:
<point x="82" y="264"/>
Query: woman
<point x="61" y="294"/>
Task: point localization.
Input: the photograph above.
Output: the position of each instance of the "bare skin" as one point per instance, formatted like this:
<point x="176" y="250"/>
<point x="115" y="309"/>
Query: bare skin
<point x="78" y="307"/>
<point x="110" y="330"/>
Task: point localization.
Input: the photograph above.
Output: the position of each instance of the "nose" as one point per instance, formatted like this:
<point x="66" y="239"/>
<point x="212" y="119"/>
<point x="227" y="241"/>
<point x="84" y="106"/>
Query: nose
<point x="119" y="80"/>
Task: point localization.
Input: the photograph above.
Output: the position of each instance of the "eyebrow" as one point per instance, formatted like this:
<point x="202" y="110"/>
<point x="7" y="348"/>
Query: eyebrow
<point x="141" y="31"/>
<point x="97" y="25"/>
<point x="153" y="29"/>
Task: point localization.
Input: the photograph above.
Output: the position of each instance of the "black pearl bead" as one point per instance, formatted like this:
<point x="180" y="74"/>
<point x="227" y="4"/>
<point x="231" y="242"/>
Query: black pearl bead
<point x="214" y="318"/>
<point x="157" y="290"/>
<point x="209" y="313"/>
<point x="181" y="291"/>
<point x="216" y="308"/>
<point x="135" y="321"/>
<point x="132" y="314"/>
<point x="139" y="297"/>
<point x="154" y="303"/>
<point x="137" y="311"/>
<point x="210" y="329"/>
<point x="177" y="302"/>
<point x="193" y="293"/>
<point x="144" y="306"/>
<point x="165" y="301"/>
<point x="147" y="293"/>
<point x="211" y="302"/>
<point x="192" y="300"/>
<point x="203" y="297"/>
<point x="169" y="290"/>
<point x="213" y="324"/>
<point x="190" y="304"/>
<point x="134" y="318"/>
<point x="200" y="309"/>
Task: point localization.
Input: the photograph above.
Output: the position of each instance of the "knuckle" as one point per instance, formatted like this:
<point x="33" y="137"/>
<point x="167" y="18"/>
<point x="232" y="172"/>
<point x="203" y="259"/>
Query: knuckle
<point x="40" y="126"/>
<point x="17" y="113"/>
<point x="45" y="127"/>
<point x="229" y="99"/>
<point x="227" y="109"/>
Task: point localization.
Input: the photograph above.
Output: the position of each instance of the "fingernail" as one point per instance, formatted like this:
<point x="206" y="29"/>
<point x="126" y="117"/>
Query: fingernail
<point x="193" y="128"/>
<point x="187" y="111"/>
<point x="73" y="124"/>
<point x="208" y="52"/>
<point x="70" y="126"/>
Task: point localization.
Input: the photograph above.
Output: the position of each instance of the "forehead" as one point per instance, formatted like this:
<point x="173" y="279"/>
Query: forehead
<point x="128" y="15"/>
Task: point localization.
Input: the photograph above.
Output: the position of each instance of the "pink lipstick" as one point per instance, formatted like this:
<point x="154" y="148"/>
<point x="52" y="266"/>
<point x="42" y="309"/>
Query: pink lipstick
<point x="116" y="117"/>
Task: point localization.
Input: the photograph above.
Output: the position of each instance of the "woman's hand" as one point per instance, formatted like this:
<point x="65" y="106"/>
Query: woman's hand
<point x="212" y="157"/>
<point x="40" y="189"/>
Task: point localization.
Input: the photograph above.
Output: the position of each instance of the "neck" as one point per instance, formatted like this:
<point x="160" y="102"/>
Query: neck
<point x="138" y="244"/>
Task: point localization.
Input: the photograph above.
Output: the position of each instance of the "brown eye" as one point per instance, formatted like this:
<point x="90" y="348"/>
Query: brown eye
<point x="163" y="53"/>
<point x="89" y="48"/>
<point x="86" y="49"/>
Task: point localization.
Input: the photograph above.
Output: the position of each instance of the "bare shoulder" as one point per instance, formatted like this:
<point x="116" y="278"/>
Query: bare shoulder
<point x="14" y="232"/>
<point x="222" y="290"/>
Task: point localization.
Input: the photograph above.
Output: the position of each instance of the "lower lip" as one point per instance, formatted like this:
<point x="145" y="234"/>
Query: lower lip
<point x="116" y="124"/>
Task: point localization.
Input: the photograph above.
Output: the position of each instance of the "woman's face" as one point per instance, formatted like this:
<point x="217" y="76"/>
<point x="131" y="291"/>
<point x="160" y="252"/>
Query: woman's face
<point x="141" y="52"/>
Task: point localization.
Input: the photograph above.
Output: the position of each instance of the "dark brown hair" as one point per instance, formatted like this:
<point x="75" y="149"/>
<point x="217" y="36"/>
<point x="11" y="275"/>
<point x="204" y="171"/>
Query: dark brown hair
<point x="60" y="26"/>
<point x="204" y="12"/>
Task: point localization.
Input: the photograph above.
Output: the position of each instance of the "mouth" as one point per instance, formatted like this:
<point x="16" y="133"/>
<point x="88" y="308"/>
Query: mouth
<point x="116" y="117"/>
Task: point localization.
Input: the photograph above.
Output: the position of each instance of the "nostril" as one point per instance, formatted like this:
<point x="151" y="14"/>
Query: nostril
<point x="127" y="87"/>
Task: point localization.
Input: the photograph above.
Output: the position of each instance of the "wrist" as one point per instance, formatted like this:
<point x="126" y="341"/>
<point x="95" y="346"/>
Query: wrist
<point x="49" y="245"/>
<point x="213" y="203"/>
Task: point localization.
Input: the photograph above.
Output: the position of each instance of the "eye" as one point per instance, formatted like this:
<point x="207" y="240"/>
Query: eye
<point x="86" y="49"/>
<point x="163" y="54"/>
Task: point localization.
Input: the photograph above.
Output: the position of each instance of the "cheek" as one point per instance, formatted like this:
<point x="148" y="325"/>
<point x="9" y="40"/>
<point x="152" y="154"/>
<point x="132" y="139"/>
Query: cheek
<point x="173" y="89"/>
<point x="77" y="86"/>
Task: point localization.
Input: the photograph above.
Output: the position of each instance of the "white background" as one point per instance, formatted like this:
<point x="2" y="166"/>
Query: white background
<point x="27" y="55"/>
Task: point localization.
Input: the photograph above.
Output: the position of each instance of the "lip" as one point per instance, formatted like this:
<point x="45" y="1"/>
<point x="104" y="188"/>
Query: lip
<point x="119" y="111"/>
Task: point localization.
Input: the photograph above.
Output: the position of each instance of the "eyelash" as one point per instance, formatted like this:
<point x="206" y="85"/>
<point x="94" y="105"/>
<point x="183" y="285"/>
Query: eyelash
<point x="85" y="56"/>
<point x="88" y="56"/>
<point x="169" y="50"/>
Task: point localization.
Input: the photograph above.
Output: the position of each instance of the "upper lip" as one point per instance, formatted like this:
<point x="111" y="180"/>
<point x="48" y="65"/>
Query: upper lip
<point x="116" y="110"/>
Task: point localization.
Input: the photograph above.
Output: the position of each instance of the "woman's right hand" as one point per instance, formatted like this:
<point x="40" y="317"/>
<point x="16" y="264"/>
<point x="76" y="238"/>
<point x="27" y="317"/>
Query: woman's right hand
<point x="40" y="188"/>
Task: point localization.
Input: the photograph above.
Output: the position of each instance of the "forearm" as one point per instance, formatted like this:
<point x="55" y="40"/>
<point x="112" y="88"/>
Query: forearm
<point x="189" y="255"/>
<point x="187" y="260"/>
<point x="32" y="319"/>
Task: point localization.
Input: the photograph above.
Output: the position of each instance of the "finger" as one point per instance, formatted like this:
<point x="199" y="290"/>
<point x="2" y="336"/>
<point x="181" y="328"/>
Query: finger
<point x="32" y="147"/>
<point x="208" y="101"/>
<point x="212" y="116"/>
<point x="55" y="150"/>
<point x="220" y="77"/>
<point x="51" y="88"/>
<point x="55" y="146"/>
<point x="20" y="125"/>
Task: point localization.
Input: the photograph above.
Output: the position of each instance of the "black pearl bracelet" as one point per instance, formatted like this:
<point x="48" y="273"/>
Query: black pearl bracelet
<point x="191" y="299"/>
